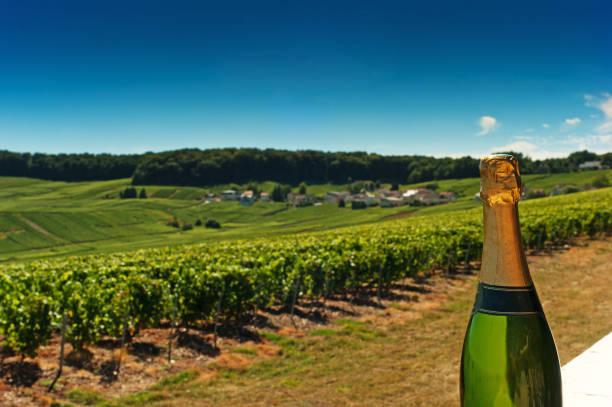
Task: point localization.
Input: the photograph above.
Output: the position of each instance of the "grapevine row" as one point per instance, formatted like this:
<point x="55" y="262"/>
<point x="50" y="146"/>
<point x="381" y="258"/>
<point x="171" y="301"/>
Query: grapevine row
<point x="102" y="293"/>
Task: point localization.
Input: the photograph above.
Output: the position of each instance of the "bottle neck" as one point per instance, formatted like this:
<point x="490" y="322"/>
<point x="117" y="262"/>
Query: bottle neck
<point x="503" y="257"/>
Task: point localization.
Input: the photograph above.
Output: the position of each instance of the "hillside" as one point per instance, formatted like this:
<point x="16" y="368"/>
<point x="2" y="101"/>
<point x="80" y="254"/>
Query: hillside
<point x="41" y="219"/>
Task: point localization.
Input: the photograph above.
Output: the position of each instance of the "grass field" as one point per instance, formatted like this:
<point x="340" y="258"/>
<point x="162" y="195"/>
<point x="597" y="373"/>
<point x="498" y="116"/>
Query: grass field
<point x="41" y="219"/>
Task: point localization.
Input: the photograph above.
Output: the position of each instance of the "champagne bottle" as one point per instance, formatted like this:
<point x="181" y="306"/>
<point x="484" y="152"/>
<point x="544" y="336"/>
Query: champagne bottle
<point x="509" y="356"/>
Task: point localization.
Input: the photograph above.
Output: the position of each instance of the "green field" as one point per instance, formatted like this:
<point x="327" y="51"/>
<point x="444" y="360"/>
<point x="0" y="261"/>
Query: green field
<point x="41" y="219"/>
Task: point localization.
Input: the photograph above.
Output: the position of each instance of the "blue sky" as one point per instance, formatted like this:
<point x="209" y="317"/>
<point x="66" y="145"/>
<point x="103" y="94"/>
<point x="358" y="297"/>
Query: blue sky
<point x="392" y="77"/>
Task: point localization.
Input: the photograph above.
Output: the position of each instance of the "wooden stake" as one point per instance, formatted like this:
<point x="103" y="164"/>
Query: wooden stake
<point x="61" y="361"/>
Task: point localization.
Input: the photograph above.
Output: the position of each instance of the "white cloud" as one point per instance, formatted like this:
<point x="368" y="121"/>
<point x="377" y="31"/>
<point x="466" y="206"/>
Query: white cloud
<point x="606" y="106"/>
<point x="605" y="127"/>
<point x="573" y="122"/>
<point x="520" y="146"/>
<point x="603" y="103"/>
<point x="542" y="147"/>
<point x="487" y="124"/>
<point x="605" y="139"/>
<point x="532" y="150"/>
<point x="528" y="130"/>
<point x="546" y="125"/>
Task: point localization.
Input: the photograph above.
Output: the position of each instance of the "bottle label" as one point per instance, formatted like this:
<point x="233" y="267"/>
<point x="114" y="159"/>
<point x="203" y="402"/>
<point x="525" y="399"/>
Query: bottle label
<point x="502" y="300"/>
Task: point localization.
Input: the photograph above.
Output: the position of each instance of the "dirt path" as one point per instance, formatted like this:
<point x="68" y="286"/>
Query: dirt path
<point x="40" y="229"/>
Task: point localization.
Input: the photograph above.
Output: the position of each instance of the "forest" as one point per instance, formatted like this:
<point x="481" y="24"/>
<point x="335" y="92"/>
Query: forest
<point x="195" y="167"/>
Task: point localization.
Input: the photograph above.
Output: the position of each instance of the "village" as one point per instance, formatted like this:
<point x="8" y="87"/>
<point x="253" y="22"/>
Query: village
<point x="362" y="199"/>
<point x="364" y="194"/>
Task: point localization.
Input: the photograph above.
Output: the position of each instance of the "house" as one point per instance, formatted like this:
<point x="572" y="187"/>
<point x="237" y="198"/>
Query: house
<point x="391" y="201"/>
<point x="448" y="196"/>
<point x="247" y="198"/>
<point x="265" y="197"/>
<point x="424" y="195"/>
<point x="301" y="199"/>
<point x="590" y="165"/>
<point x="371" y="199"/>
<point x="333" y="197"/>
<point x="382" y="193"/>
<point x="229" y="195"/>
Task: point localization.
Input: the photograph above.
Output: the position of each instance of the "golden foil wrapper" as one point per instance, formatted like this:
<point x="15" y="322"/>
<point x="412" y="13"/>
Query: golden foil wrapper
<point x="500" y="180"/>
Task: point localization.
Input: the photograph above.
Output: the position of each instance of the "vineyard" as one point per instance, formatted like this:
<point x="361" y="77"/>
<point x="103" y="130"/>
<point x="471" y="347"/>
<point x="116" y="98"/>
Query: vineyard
<point x="119" y="294"/>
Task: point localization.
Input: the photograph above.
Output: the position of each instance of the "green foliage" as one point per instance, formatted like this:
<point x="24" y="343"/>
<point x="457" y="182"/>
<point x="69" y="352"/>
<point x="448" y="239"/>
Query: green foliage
<point x="601" y="181"/>
<point x="221" y="166"/>
<point x="142" y="194"/>
<point x="25" y="316"/>
<point x="187" y="226"/>
<point x="433" y="186"/>
<point x="358" y="205"/>
<point x="174" y="222"/>
<point x="341" y="203"/>
<point x="102" y="293"/>
<point x="198" y="222"/>
<point x="128" y="193"/>
<point x="302" y="188"/>
<point x="279" y="193"/>
<point x="394" y="187"/>
<point x="213" y="224"/>
<point x="570" y="189"/>
<point x="84" y="397"/>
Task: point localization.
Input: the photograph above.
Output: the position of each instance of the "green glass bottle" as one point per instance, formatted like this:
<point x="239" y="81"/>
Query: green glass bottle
<point x="509" y="356"/>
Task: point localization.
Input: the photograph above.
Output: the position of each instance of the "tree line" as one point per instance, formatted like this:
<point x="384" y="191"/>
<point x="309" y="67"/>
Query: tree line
<point x="196" y="167"/>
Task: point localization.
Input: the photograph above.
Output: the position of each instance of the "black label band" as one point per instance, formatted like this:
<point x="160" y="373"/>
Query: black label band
<point x="500" y="300"/>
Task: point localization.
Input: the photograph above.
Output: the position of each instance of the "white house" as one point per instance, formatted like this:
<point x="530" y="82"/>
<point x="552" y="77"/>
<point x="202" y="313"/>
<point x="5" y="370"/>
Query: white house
<point x="247" y="198"/>
<point x="229" y="195"/>
<point x="391" y="201"/>
<point x="590" y="165"/>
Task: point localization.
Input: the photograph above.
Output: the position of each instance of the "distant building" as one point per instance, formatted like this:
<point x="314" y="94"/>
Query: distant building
<point x="371" y="199"/>
<point x="391" y="201"/>
<point x="426" y="196"/>
<point x="265" y="197"/>
<point x="229" y="195"/>
<point x="590" y="165"/>
<point x="247" y="198"/>
<point x="301" y="199"/>
<point x="334" y="197"/>
<point x="448" y="196"/>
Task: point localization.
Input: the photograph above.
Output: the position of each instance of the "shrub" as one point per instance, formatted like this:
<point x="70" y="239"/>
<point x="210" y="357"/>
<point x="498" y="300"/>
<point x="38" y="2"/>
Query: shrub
<point x="358" y="205"/>
<point x="142" y="194"/>
<point x="174" y="222"/>
<point x="394" y="187"/>
<point x="198" y="222"/>
<point x="570" y="190"/>
<point x="279" y="193"/>
<point x="601" y="181"/>
<point x="128" y="193"/>
<point x="432" y="186"/>
<point x="302" y="188"/>
<point x="187" y="226"/>
<point x="356" y="187"/>
<point x="341" y="203"/>
<point x="213" y="224"/>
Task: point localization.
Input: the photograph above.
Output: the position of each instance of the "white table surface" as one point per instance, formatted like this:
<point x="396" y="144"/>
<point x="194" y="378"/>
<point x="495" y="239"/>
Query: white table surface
<point x="587" y="379"/>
